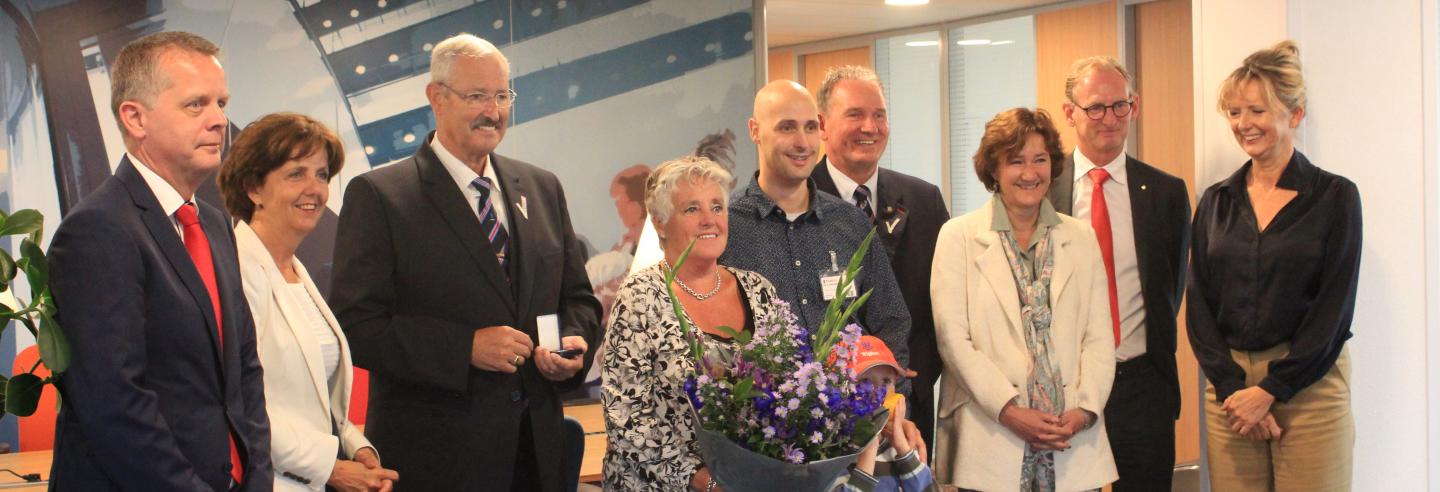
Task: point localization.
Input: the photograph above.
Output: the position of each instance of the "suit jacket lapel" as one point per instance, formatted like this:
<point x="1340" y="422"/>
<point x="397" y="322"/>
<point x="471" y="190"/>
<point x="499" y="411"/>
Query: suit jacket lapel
<point x="1142" y="219"/>
<point x="995" y="267"/>
<point x="1062" y="188"/>
<point x="517" y="191"/>
<point x="295" y="320"/>
<point x="162" y="231"/>
<point x="821" y="176"/>
<point x="454" y="209"/>
<point x="890" y="212"/>
<point x="1060" y="243"/>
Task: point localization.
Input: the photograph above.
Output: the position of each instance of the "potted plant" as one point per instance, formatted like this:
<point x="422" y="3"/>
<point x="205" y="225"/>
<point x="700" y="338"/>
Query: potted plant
<point x="22" y="390"/>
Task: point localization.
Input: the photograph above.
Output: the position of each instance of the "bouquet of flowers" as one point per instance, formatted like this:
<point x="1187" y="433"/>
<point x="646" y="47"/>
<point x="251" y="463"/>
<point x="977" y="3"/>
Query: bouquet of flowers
<point x="786" y="412"/>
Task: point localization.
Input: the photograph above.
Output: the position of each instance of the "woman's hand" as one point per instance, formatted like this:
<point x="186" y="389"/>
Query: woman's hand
<point x="700" y="481"/>
<point x="1247" y="407"/>
<point x="1267" y="430"/>
<point x="1076" y="420"/>
<point x="1041" y="430"/>
<point x="362" y="475"/>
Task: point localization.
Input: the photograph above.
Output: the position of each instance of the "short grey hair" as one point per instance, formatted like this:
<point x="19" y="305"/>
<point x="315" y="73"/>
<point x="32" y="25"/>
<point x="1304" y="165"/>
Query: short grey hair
<point x="1087" y="65"/>
<point x="835" y="75"/>
<point x="463" y="44"/>
<point x="660" y="187"/>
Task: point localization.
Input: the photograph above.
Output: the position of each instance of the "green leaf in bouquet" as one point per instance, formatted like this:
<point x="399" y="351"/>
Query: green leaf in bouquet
<point x="745" y="389"/>
<point x="837" y="313"/>
<point x="740" y="337"/>
<point x="22" y="394"/>
<point x="697" y="348"/>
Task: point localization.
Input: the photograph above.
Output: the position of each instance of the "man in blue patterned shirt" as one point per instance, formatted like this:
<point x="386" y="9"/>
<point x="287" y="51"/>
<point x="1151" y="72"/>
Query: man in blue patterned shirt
<point x="798" y="238"/>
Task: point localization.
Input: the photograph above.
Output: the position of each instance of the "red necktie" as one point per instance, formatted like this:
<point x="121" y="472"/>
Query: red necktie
<point x="198" y="246"/>
<point x="1100" y="220"/>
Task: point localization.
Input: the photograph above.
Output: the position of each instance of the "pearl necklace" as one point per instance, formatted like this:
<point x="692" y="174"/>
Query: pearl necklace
<point x="698" y="296"/>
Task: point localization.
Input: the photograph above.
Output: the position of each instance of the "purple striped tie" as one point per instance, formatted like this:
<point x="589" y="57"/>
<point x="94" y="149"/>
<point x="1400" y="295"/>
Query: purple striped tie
<point x="490" y="223"/>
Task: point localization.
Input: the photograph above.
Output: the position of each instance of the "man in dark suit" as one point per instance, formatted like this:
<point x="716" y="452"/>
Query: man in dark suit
<point x="907" y="211"/>
<point x="164" y="390"/>
<point x="443" y="262"/>
<point x="1141" y="216"/>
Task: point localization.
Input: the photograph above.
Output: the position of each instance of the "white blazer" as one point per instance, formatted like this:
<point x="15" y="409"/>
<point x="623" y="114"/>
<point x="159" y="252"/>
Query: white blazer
<point x="982" y="343"/>
<point x="298" y="397"/>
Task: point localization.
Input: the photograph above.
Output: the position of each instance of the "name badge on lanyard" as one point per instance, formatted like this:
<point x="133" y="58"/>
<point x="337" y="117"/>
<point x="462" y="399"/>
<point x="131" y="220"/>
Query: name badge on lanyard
<point x="830" y="281"/>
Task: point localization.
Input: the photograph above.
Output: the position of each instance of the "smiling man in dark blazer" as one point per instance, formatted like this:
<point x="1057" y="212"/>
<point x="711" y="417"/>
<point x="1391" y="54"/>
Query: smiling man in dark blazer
<point x="1142" y="219"/>
<point x="906" y="210"/>
<point x="443" y="262"/>
<point x="164" y="390"/>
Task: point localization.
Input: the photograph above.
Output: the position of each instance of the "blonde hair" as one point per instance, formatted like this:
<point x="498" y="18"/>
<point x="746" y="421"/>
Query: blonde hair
<point x="136" y="75"/>
<point x="1087" y="65"/>
<point x="1277" y="69"/>
<point x="835" y="75"/>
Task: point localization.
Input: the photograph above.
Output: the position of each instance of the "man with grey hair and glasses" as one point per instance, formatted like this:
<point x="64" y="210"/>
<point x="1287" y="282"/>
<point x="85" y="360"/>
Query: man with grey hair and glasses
<point x="1141" y="217"/>
<point x="906" y="211"/>
<point x="460" y="283"/>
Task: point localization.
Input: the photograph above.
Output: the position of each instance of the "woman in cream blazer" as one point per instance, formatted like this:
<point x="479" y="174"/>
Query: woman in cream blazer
<point x="982" y="342"/>
<point x="279" y="198"/>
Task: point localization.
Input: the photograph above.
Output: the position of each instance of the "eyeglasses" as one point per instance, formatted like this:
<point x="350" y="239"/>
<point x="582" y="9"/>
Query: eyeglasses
<point x="1120" y="108"/>
<point x="503" y="99"/>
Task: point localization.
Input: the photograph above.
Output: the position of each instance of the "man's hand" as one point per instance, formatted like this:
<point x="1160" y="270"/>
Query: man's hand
<point x="1041" y="430"/>
<point x="1247" y="407"/>
<point x="1266" y="430"/>
<point x="557" y="368"/>
<point x="500" y="349"/>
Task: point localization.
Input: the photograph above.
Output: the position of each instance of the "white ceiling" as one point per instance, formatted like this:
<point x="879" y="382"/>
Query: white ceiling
<point x="800" y="21"/>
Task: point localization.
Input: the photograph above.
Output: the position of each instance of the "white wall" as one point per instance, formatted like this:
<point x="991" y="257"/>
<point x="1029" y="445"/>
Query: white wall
<point x="1368" y="111"/>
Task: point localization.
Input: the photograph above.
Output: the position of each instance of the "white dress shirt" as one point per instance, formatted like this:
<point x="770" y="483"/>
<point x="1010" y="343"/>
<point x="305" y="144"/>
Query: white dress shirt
<point x="170" y="200"/>
<point x="846" y="186"/>
<point x="465" y="177"/>
<point x="1122" y="234"/>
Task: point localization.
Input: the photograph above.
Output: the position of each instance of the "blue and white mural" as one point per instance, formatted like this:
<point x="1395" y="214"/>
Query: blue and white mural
<point x="607" y="89"/>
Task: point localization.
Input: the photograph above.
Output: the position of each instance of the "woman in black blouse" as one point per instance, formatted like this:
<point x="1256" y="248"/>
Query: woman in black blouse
<point x="1274" y="265"/>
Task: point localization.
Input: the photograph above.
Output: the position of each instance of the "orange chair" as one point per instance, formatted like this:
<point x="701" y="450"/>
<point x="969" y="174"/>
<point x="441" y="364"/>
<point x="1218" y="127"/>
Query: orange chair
<point x="37" y="432"/>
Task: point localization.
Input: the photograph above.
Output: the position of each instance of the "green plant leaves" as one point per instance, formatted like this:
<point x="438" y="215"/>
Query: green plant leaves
<point x="37" y="269"/>
<point x="21" y="222"/>
<point x="54" y="348"/>
<point x="22" y="394"/>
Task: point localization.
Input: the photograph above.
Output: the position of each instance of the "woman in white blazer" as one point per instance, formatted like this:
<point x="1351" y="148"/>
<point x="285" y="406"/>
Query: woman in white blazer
<point x="1023" y="326"/>
<point x="276" y="181"/>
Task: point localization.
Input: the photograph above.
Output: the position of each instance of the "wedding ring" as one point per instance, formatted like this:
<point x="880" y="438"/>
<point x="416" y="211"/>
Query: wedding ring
<point x="519" y="361"/>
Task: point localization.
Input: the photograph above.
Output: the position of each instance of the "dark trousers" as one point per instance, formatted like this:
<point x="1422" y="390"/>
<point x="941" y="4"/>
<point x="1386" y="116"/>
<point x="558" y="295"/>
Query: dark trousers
<point x="922" y="407"/>
<point x="527" y="472"/>
<point x="1140" y="421"/>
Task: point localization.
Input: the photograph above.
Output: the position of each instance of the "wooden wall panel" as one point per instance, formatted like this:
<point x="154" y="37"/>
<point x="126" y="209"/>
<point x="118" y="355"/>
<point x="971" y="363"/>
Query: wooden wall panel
<point x="1167" y="141"/>
<point x="817" y="63"/>
<point x="782" y="66"/>
<point x="1063" y="36"/>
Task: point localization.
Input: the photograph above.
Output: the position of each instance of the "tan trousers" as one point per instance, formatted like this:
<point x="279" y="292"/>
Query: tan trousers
<point x="1315" y="451"/>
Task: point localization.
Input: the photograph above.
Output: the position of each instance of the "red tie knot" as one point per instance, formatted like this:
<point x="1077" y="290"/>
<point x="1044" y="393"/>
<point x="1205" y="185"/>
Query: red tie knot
<point x="187" y="215"/>
<point x="1099" y="175"/>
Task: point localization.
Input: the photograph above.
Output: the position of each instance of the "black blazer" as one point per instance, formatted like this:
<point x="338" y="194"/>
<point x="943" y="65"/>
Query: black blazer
<point x="908" y="215"/>
<point x="414" y="278"/>
<point x="150" y="395"/>
<point x="1160" y="205"/>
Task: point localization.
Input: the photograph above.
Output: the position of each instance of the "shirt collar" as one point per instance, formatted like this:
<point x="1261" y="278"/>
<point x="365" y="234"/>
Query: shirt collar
<point x="999" y="221"/>
<point x="463" y="175"/>
<point x="170" y="199"/>
<point x="845" y="186"/>
<point x="1116" y="167"/>
<point x="1298" y="175"/>
<point x="765" y="207"/>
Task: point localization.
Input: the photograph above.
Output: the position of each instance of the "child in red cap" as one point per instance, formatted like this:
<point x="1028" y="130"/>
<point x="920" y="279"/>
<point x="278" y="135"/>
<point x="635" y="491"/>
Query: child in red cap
<point x="893" y="462"/>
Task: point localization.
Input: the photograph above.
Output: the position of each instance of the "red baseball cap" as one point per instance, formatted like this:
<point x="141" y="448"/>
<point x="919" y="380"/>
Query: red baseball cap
<point x="871" y="352"/>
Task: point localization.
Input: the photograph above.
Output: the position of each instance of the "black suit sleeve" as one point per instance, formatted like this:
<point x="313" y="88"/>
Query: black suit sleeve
<point x="578" y="307"/>
<point x="384" y="338"/>
<point x="96" y="272"/>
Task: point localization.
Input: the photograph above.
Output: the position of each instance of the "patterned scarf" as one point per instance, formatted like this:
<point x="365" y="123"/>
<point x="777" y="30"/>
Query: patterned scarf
<point x="1043" y="384"/>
